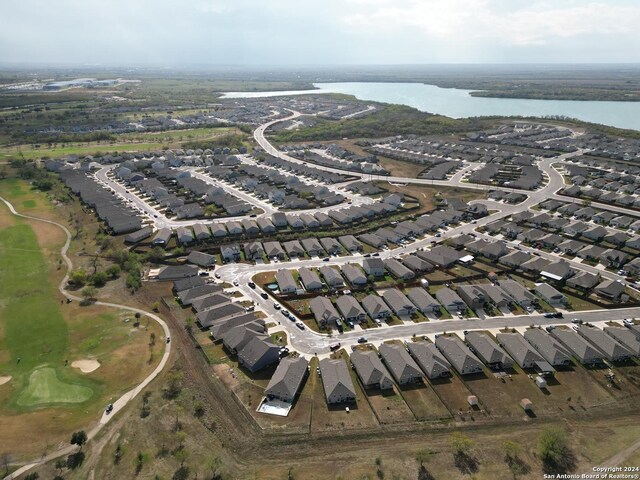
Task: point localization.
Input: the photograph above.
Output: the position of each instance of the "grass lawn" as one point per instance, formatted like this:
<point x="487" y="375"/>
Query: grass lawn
<point x="45" y="388"/>
<point x="33" y="329"/>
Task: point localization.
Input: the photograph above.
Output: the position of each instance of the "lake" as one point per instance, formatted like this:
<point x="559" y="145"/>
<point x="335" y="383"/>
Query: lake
<point x="459" y="103"/>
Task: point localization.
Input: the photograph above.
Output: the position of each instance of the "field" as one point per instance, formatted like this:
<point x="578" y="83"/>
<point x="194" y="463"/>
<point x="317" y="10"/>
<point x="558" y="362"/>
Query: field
<point x="41" y="336"/>
<point x="127" y="142"/>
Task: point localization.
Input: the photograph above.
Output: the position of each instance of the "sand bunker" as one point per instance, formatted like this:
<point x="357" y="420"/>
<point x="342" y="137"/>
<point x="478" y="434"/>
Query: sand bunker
<point x="4" y="379"/>
<point x="86" y="366"/>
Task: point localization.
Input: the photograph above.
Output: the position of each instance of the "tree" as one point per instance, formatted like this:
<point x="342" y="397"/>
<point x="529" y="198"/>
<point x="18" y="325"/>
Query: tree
<point x="423" y="456"/>
<point x="139" y="462"/>
<point x="461" y="443"/>
<point x="214" y="464"/>
<point x="89" y="293"/>
<point x="113" y="271"/>
<point x="79" y="438"/>
<point x="181" y="455"/>
<point x="32" y="476"/>
<point x="552" y="446"/>
<point x="60" y="465"/>
<point x="510" y="449"/>
<point x="78" y="278"/>
<point x="99" y="279"/>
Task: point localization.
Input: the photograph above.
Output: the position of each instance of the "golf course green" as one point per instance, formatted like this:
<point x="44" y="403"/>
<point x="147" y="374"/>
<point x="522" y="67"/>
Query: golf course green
<point x="45" y="388"/>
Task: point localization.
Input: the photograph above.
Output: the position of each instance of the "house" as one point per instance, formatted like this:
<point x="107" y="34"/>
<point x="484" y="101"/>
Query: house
<point x="236" y="338"/>
<point x="595" y="234"/>
<point x="472" y="296"/>
<point x="331" y="276"/>
<point x="230" y="253"/>
<point x="265" y="225"/>
<point x="613" y="258"/>
<point x="279" y="220"/>
<point x="373" y="266"/>
<point x="180" y="286"/>
<point x="458" y="354"/>
<point x="219" y="328"/>
<point x="354" y="275"/>
<point x="331" y="245"/>
<point x="605" y="344"/>
<point x="294" y="249"/>
<point x="584" y="281"/>
<point x="176" y="272"/>
<point x="515" y="259"/>
<point x="550" y="295"/>
<point x="295" y="222"/>
<point x="423" y="300"/>
<point x="398" y="270"/>
<point x="488" y="350"/>
<point x="625" y="337"/>
<point x="373" y="240"/>
<point x="574" y="229"/>
<point x="191" y="294"/>
<point x="616" y="238"/>
<point x="554" y="353"/>
<point x="577" y="345"/>
<point x="274" y="250"/>
<point x="312" y="246"/>
<point x="350" y="243"/>
<point x="336" y="380"/>
<point x="309" y="279"/>
<point x="440" y="256"/>
<point x="323" y="219"/>
<point x="591" y="252"/>
<point x="417" y="264"/>
<point x="206" y="318"/>
<point x="571" y="247"/>
<point x="370" y="370"/>
<point x="518" y="293"/>
<point x="375" y="307"/>
<point x="610" y="289"/>
<point x="398" y="302"/>
<point x="403" y="368"/>
<point x="184" y="235"/>
<point x="350" y="309"/>
<point x="286" y="282"/>
<point x="287" y="379"/>
<point x="250" y="226"/>
<point x="323" y="311"/>
<point x="523" y="353"/>
<point x="218" y="230"/>
<point x="259" y="353"/>
<point x="495" y="295"/>
<point x="234" y="228"/>
<point x="253" y="251"/>
<point x="201" y="259"/>
<point x="139" y="235"/>
<point x="450" y="300"/>
<point x="430" y="360"/>
<point x="309" y="220"/>
<point x="558" y="271"/>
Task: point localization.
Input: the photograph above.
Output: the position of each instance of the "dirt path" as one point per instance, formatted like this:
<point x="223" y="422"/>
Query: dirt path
<point x="124" y="399"/>
<point x="619" y="458"/>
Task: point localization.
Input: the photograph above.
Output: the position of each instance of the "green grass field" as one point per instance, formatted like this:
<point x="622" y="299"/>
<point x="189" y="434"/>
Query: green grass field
<point x="45" y="388"/>
<point x="34" y="331"/>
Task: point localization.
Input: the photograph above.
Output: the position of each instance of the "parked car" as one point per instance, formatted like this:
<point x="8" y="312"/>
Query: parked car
<point x="576" y="320"/>
<point x="300" y="325"/>
<point x="362" y="340"/>
<point x="549" y="315"/>
<point x="264" y="295"/>
<point x="277" y="306"/>
<point x="251" y="285"/>
<point x="334" y="346"/>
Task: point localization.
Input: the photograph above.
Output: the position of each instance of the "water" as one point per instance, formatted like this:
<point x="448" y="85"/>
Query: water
<point x="458" y="103"/>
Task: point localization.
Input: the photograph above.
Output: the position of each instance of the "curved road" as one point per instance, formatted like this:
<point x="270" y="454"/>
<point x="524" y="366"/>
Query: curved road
<point x="128" y="396"/>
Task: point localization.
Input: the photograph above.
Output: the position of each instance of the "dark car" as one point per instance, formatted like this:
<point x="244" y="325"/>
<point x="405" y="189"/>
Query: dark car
<point x="325" y="259"/>
<point x="251" y="285"/>
<point x="557" y="315"/>
<point x="109" y="409"/>
<point x="362" y="340"/>
<point x="264" y="295"/>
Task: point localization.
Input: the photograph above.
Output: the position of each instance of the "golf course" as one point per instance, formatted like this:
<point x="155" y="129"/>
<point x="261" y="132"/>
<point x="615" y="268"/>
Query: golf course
<point x="43" y="397"/>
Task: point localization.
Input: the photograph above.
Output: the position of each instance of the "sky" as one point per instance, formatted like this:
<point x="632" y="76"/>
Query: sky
<point x="319" y="32"/>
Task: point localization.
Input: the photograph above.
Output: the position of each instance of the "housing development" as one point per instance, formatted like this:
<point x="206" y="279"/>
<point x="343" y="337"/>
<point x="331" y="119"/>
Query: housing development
<point x="366" y="286"/>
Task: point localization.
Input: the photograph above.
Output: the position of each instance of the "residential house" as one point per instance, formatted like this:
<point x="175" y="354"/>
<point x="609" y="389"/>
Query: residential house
<point x="201" y="259"/>
<point x="398" y="270"/>
<point x="577" y="345"/>
<point x="375" y="307"/>
<point x="336" y="380"/>
<point x="286" y="282"/>
<point x="403" y="368"/>
<point x="472" y="296"/>
<point x="458" y="354"/>
<point x="610" y="289"/>
<point x="350" y="309"/>
<point x="520" y="295"/>
<point x="310" y="279"/>
<point x="423" y="300"/>
<point x="373" y="266"/>
<point x="547" y="346"/>
<point x="398" y="302"/>
<point x="450" y="300"/>
<point x="488" y="350"/>
<point x="430" y="360"/>
<point x="331" y="245"/>
<point x="230" y="253"/>
<point x="259" y="353"/>
<point x="323" y="311"/>
<point x="605" y="344"/>
<point x="274" y="250"/>
<point x="350" y="243"/>
<point x="522" y="352"/>
<point x="354" y="275"/>
<point x="331" y="276"/>
<point x="312" y="246"/>
<point x="550" y="295"/>
<point x="370" y="370"/>
<point x="287" y="379"/>
<point x="294" y="249"/>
